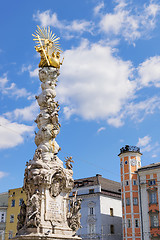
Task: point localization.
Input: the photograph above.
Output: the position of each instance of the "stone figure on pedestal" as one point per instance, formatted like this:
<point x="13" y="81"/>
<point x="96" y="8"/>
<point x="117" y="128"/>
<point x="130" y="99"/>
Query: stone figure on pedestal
<point x="47" y="183"/>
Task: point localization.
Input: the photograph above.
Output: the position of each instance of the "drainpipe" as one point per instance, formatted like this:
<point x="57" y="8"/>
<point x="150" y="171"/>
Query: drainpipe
<point x="140" y="199"/>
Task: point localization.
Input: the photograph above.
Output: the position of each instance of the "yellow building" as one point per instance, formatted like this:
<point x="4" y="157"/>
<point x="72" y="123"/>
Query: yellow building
<point x="15" y="198"/>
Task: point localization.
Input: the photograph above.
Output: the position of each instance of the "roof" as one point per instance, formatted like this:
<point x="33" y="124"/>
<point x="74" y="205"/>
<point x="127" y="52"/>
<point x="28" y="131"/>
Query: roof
<point x="150" y="166"/>
<point x="108" y="187"/>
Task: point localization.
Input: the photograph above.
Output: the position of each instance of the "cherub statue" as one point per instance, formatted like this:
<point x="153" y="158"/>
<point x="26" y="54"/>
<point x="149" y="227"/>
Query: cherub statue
<point x="68" y="162"/>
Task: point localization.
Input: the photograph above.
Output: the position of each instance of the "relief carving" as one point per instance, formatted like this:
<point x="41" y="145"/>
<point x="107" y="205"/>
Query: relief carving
<point x="57" y="183"/>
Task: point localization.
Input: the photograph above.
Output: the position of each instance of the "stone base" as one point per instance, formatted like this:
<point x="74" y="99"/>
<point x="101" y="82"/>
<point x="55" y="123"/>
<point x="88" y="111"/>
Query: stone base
<point x="46" y="237"/>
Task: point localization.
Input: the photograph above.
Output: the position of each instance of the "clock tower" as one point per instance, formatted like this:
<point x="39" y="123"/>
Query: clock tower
<point x="130" y="161"/>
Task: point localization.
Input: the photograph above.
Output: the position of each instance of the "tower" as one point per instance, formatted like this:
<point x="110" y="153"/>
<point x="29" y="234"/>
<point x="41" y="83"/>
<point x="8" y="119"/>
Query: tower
<point x="130" y="161"/>
<point x="47" y="184"/>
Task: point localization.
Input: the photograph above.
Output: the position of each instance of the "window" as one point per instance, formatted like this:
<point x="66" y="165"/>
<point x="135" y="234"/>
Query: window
<point x="134" y="182"/>
<point x="122" y="202"/>
<point x="112" y="229"/>
<point x="151" y="182"/>
<point x="91" y="228"/>
<point x="128" y="223"/>
<point x="127" y="201"/>
<point x="91" y="208"/>
<point x="125" y="162"/>
<point x="20" y="201"/>
<point x="127" y="183"/>
<point x="91" y="190"/>
<point x="2" y="217"/>
<point x="11" y="218"/>
<point x="111" y="212"/>
<point x="13" y="203"/>
<point x="152" y="197"/>
<point x="154" y="220"/>
<point x="10" y="234"/>
<point x="135" y="201"/>
<point x="22" y="191"/>
<point x="136" y="223"/>
<point x="13" y="194"/>
<point x="91" y="211"/>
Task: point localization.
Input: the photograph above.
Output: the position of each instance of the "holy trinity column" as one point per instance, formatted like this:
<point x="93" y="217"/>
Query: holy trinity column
<point x="47" y="184"/>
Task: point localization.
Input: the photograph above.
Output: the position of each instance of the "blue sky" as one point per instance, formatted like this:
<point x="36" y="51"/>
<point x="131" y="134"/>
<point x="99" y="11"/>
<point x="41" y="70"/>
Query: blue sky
<point x="108" y="88"/>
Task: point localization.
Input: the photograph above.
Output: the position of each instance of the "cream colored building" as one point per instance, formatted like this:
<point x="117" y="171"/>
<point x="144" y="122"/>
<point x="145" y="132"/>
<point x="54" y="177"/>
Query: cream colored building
<point x="15" y="198"/>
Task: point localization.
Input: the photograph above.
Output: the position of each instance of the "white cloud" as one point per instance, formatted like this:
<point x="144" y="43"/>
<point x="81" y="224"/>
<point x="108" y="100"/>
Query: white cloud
<point x="145" y="144"/>
<point x="131" y="24"/>
<point x="95" y="83"/>
<point x="25" y="68"/>
<point x="12" y="133"/>
<point x="101" y="129"/>
<point x="11" y="89"/>
<point x="138" y="111"/>
<point x="116" y="121"/>
<point x="142" y="142"/>
<point x="97" y="9"/>
<point x="32" y="73"/>
<point x="149" y="72"/>
<point x="47" y="18"/>
<point x="24" y="114"/>
<point x="3" y="174"/>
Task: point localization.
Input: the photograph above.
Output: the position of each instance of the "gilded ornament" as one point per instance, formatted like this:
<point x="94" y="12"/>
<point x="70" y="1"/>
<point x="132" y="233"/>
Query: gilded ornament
<point x="48" y="47"/>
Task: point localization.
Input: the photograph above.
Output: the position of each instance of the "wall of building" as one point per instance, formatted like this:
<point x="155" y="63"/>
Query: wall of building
<point x="145" y="208"/>
<point x="3" y="214"/>
<point x="95" y="210"/>
<point x="90" y="220"/>
<point x="149" y="208"/>
<point x="15" y="196"/>
<point x="111" y="226"/>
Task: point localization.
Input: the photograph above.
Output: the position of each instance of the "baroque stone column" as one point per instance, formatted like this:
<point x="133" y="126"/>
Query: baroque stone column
<point x="47" y="184"/>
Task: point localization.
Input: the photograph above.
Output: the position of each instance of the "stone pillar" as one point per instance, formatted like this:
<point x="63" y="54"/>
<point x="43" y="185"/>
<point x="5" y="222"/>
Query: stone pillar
<point x="47" y="183"/>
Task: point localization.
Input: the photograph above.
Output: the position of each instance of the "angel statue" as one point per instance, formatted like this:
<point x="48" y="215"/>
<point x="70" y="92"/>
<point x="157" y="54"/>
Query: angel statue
<point x="68" y="162"/>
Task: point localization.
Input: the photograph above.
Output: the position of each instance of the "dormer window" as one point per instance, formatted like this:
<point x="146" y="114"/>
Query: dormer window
<point x="91" y="190"/>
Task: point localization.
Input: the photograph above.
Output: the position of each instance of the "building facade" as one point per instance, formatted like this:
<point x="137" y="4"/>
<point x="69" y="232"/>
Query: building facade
<point x="15" y="198"/>
<point x="100" y="208"/>
<point x="140" y="187"/>
<point x="149" y="183"/>
<point x="130" y="161"/>
<point x="3" y="214"/>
